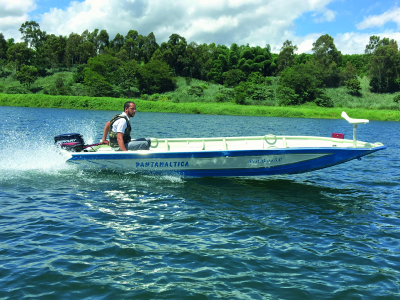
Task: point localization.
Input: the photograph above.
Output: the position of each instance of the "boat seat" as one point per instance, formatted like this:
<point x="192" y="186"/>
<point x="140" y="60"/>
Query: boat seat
<point x="353" y="121"/>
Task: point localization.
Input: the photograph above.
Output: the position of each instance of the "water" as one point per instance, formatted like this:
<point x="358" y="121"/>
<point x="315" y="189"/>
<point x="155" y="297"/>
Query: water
<point x="72" y="234"/>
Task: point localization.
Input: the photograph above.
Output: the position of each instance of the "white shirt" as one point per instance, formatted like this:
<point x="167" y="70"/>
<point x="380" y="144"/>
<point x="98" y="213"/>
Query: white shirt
<point x="120" y="125"/>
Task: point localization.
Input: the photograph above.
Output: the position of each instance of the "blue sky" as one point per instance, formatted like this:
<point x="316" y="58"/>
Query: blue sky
<point x="257" y="22"/>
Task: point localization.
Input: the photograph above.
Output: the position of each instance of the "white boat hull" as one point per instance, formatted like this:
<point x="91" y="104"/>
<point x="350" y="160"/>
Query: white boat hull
<point x="222" y="162"/>
<point x="231" y="156"/>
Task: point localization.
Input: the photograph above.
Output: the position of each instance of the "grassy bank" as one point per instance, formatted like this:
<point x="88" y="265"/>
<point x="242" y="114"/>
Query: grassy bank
<point x="226" y="108"/>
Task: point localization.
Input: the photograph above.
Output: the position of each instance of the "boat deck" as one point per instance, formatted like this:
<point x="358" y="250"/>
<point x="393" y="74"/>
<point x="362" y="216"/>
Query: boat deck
<point x="266" y="142"/>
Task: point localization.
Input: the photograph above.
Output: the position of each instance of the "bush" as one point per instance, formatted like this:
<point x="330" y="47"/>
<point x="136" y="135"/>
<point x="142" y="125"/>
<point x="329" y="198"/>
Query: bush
<point x="261" y="92"/>
<point x="396" y="99"/>
<point x="15" y="90"/>
<point x="203" y="86"/>
<point x="287" y="96"/>
<point x="195" y="90"/>
<point x="256" y="78"/>
<point x="324" y="101"/>
<point x="155" y="77"/>
<point x="219" y="97"/>
<point x="233" y="77"/>
<point x="304" y="79"/>
<point x="353" y="86"/>
<point x="240" y="98"/>
<point x="154" y="97"/>
<point x="188" y="80"/>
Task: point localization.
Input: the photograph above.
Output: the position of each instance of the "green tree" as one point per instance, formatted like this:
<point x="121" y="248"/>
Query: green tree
<point x="72" y="51"/>
<point x="353" y="86"/>
<point x="256" y="78"/>
<point x="85" y="51"/>
<point x="103" y="40"/>
<point x="3" y="47"/>
<point x="118" y="42"/>
<point x="32" y="35"/>
<point x="19" y="54"/>
<point x="384" y="68"/>
<point x="304" y="80"/>
<point x="286" y="56"/>
<point x="233" y="77"/>
<point x="328" y="59"/>
<point x="155" y="77"/>
<point x="27" y="75"/>
<point x="128" y="78"/>
<point x="350" y="72"/>
<point x="287" y="96"/>
<point x="149" y="47"/>
<point x="53" y="50"/>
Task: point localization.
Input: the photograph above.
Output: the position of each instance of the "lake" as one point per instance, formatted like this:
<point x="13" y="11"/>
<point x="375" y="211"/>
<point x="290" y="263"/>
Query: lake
<point x="74" y="234"/>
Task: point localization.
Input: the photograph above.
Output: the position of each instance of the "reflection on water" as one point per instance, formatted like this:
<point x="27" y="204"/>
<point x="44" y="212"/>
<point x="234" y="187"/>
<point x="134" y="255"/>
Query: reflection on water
<point x="68" y="233"/>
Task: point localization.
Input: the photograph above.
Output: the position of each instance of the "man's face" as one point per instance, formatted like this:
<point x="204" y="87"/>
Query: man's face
<point x="131" y="110"/>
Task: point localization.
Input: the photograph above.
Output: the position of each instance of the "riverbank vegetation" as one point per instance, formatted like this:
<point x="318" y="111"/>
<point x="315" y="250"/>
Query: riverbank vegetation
<point x="177" y="72"/>
<point x="221" y="108"/>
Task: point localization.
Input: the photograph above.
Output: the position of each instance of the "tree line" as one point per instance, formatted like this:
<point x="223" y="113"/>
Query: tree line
<point x="130" y="65"/>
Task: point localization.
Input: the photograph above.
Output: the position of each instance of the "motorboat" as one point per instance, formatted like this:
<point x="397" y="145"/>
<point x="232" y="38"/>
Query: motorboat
<point x="223" y="156"/>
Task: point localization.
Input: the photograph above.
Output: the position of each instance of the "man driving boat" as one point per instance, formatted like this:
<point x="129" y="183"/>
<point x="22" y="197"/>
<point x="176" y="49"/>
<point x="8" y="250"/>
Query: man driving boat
<point x="119" y="131"/>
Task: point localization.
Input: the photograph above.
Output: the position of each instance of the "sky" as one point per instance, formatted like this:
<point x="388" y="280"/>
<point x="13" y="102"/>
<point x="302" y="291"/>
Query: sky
<point x="253" y="22"/>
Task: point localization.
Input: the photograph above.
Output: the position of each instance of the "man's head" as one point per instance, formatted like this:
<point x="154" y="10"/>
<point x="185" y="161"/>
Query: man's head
<point x="130" y="109"/>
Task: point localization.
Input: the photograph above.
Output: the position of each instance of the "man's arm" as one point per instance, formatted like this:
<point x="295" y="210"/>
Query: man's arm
<point x="120" y="140"/>
<point x="105" y="132"/>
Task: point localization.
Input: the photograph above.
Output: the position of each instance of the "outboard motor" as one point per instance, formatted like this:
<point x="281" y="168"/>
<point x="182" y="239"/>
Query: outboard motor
<point x="72" y="142"/>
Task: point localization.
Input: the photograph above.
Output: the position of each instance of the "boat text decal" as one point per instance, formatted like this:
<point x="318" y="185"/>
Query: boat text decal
<point x="263" y="161"/>
<point x="167" y="164"/>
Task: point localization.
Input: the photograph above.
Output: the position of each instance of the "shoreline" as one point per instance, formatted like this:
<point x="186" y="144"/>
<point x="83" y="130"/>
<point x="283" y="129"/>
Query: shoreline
<point x="223" y="108"/>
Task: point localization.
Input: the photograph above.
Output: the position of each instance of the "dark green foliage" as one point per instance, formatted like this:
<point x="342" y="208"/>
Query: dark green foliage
<point x="353" y="86"/>
<point x="358" y="61"/>
<point x="304" y="79"/>
<point x="3" y="47"/>
<point x="240" y="98"/>
<point x="156" y="77"/>
<point x="219" y="97"/>
<point x="287" y="96"/>
<point x="350" y="72"/>
<point x="385" y="68"/>
<point x="286" y="56"/>
<point x="188" y="80"/>
<point x="328" y="60"/>
<point x="256" y="78"/>
<point x="27" y="75"/>
<point x="324" y="100"/>
<point x="19" y="54"/>
<point x="15" y="90"/>
<point x="396" y="99"/>
<point x="233" y="77"/>
<point x="253" y="93"/>
<point x="195" y="90"/>
<point x="79" y="76"/>
<point x="261" y="93"/>
<point x="127" y="79"/>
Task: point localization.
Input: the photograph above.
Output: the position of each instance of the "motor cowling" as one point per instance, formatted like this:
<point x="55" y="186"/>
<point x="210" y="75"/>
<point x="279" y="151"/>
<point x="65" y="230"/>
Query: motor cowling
<point x="72" y="142"/>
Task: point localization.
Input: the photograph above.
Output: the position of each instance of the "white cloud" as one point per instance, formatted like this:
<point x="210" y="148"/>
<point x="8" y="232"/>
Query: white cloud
<point x="392" y="15"/>
<point x="354" y="42"/>
<point x="256" y="22"/>
<point x="327" y="16"/>
<point x="13" y="13"/>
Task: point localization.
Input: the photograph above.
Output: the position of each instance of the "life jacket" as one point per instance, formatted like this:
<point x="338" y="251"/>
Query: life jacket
<point x="113" y="135"/>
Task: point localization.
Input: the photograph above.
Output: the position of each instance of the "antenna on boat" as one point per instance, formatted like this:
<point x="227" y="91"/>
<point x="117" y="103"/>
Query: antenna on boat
<point x="355" y="122"/>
